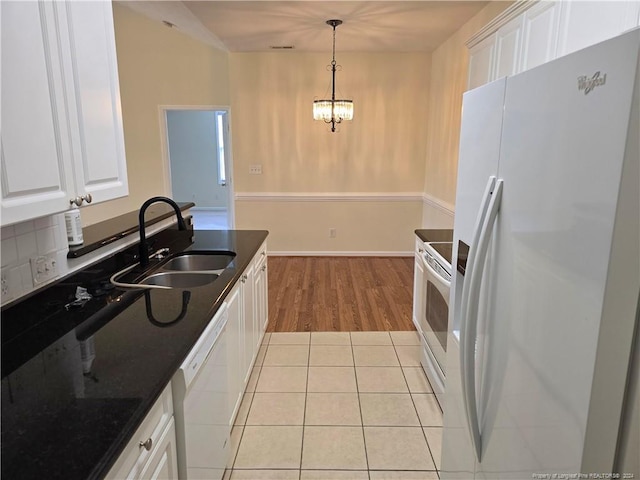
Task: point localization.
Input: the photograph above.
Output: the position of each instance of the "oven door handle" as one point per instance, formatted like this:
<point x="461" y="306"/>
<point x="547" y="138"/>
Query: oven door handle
<point x="441" y="280"/>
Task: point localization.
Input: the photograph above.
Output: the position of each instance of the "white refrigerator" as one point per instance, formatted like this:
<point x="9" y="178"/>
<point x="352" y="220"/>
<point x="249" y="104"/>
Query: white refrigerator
<point x="546" y="270"/>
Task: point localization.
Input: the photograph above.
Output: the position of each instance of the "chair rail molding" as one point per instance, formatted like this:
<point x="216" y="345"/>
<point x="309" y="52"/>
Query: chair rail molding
<point x="441" y="205"/>
<point x="330" y="196"/>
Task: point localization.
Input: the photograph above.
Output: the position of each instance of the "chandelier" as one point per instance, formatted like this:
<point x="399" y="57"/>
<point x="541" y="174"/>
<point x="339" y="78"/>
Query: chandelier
<point x="334" y="110"/>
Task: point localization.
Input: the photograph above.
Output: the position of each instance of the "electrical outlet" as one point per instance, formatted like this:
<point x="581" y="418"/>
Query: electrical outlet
<point x="255" y="169"/>
<point x="332" y="233"/>
<point x="11" y="283"/>
<point x="43" y="268"/>
<point x="6" y="288"/>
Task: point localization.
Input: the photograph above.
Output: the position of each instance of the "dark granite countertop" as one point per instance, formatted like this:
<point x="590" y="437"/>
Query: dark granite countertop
<point x="77" y="384"/>
<point x="435" y="235"/>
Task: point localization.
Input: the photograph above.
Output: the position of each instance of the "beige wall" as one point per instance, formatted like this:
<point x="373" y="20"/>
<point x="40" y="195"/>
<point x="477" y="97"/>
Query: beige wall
<point x="448" y="83"/>
<point x="157" y="66"/>
<point x="381" y="150"/>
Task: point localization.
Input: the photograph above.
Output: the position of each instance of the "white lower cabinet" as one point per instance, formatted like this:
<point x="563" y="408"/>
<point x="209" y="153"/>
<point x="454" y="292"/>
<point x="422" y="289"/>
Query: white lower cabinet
<point x="151" y="452"/>
<point x="247" y="305"/>
<point x="235" y="351"/>
<point x="248" y="314"/>
<point x="162" y="464"/>
<point x="260" y="308"/>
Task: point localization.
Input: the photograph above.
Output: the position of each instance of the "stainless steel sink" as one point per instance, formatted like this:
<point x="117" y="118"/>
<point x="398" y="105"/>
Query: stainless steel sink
<point x="183" y="270"/>
<point x="178" y="279"/>
<point x="199" y="261"/>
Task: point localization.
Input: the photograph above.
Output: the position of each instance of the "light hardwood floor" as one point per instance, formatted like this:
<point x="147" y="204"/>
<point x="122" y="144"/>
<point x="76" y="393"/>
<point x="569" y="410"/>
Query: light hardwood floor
<point x="340" y="294"/>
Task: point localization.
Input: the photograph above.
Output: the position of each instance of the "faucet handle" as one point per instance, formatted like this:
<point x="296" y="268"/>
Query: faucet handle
<point x="160" y="253"/>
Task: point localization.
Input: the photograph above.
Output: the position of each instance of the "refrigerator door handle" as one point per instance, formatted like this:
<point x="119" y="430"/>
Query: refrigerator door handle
<point x="468" y="330"/>
<point x="472" y="423"/>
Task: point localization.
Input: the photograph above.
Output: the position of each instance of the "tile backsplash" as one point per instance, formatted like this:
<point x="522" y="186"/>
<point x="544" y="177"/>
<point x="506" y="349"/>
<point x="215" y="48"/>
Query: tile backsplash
<point x="21" y="242"/>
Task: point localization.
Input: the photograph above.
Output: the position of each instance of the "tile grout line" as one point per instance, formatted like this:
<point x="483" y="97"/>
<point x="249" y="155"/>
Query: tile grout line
<point x="244" y="424"/>
<point x="304" y="410"/>
<point x="253" y="395"/>
<point x="422" y="427"/>
<point x="364" y="440"/>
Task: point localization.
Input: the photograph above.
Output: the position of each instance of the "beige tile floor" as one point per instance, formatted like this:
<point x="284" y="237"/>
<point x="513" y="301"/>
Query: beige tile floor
<point x="337" y="405"/>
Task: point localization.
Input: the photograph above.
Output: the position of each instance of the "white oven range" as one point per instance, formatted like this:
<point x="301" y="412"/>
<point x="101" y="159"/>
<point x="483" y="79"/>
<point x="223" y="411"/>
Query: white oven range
<point x="434" y="317"/>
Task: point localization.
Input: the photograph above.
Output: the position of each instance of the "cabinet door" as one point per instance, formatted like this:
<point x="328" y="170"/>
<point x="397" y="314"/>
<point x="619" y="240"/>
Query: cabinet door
<point x="37" y="177"/>
<point x="508" y="40"/>
<point x="163" y="462"/>
<point x="235" y="350"/>
<point x="260" y="293"/>
<point x="586" y="23"/>
<point x="94" y="97"/>
<point x="249" y="324"/>
<point x="540" y="34"/>
<point x="481" y="61"/>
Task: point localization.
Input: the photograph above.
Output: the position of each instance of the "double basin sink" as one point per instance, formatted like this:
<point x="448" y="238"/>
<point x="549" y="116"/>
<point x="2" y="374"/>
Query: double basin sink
<point x="182" y="270"/>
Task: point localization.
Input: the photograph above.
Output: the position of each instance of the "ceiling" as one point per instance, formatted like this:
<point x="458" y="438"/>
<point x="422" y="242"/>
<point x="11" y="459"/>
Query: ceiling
<point x="369" y="26"/>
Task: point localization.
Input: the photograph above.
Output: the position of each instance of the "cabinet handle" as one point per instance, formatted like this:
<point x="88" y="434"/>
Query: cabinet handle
<point x="87" y="198"/>
<point x="420" y="250"/>
<point x="263" y="254"/>
<point x="147" y="445"/>
<point x="264" y="267"/>
<point x="76" y="201"/>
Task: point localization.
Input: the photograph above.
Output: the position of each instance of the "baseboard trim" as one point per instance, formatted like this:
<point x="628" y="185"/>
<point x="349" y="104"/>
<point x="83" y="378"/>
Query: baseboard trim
<point x="339" y="254"/>
<point x="208" y="209"/>
<point x="329" y="196"/>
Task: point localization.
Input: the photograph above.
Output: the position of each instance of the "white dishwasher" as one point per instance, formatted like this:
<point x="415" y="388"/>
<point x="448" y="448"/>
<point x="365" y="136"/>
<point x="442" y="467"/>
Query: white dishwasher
<point x="200" y="395"/>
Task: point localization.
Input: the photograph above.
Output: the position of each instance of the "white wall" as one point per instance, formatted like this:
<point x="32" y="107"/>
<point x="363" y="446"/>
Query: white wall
<point x="157" y="66"/>
<point x="380" y="153"/>
<point x="193" y="150"/>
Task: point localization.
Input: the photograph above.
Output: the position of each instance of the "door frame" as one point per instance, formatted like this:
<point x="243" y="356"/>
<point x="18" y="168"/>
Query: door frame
<point x="166" y="161"/>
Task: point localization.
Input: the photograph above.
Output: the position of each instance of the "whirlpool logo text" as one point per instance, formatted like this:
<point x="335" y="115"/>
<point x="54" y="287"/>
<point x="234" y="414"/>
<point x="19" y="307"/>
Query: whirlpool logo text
<point x="587" y="84"/>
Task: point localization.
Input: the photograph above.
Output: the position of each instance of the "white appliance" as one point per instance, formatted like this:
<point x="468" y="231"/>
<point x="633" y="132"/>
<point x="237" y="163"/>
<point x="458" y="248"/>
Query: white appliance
<point x="200" y="395"/>
<point x="545" y="292"/>
<point x="434" y="321"/>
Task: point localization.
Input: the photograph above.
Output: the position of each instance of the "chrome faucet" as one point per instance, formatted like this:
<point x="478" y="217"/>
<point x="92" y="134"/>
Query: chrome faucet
<point x="144" y="250"/>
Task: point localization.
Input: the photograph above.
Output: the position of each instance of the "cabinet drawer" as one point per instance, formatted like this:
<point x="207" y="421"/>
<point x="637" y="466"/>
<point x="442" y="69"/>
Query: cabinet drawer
<point x="134" y="457"/>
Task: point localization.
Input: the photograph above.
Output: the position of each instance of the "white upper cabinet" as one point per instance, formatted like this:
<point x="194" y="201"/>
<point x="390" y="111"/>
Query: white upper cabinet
<point x="481" y="57"/>
<point x="586" y="23"/>
<point x="508" y="40"/>
<point x="530" y="33"/>
<point x="94" y="96"/>
<point x="540" y="35"/>
<point x="61" y="121"/>
<point x="37" y="177"/>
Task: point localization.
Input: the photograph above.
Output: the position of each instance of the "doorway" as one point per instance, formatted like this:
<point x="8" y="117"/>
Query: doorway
<point x="198" y="150"/>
